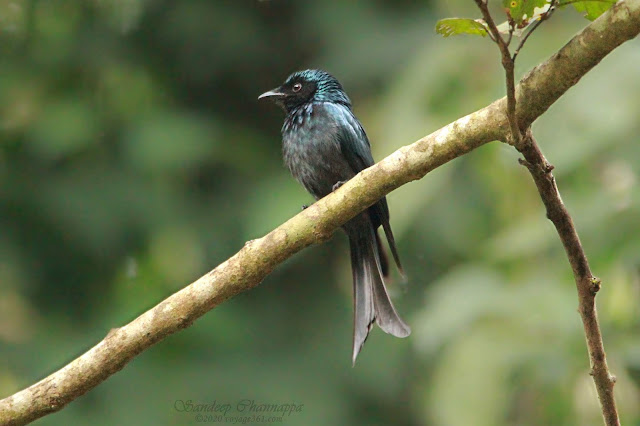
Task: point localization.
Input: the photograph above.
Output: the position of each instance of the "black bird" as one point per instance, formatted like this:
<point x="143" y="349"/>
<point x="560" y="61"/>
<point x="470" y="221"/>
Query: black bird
<point x="324" y="145"/>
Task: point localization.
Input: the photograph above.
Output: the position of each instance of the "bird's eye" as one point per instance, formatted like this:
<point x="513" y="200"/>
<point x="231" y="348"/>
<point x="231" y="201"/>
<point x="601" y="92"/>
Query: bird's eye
<point x="296" y="87"/>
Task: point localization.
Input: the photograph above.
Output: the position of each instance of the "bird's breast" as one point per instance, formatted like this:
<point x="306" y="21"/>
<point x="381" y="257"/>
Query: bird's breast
<point x="311" y="149"/>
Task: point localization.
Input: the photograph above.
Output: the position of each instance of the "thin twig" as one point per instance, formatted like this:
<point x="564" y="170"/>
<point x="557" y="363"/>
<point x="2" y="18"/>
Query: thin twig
<point x="512" y="27"/>
<point x="508" y="65"/>
<point x="524" y="39"/>
<point x="535" y="26"/>
<point x="491" y="25"/>
<point x="582" y="1"/>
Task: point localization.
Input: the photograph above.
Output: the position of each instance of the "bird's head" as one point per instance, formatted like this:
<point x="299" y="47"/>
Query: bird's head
<point x="307" y="86"/>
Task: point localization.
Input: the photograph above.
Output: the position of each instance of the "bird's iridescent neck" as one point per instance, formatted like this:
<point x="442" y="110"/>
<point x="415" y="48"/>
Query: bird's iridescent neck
<point x="331" y="91"/>
<point x="297" y="117"/>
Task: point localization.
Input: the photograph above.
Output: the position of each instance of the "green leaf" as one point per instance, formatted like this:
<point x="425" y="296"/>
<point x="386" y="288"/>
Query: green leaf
<point x="592" y="9"/>
<point x="455" y="26"/>
<point x="524" y="11"/>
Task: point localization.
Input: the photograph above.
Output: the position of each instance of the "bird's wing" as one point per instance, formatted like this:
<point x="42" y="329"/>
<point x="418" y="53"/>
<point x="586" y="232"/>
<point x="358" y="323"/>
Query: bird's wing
<point x="356" y="149"/>
<point x="354" y="143"/>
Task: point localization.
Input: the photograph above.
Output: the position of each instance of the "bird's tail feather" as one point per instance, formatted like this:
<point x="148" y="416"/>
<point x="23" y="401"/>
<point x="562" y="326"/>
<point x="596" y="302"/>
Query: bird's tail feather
<point x="371" y="300"/>
<point x="392" y="244"/>
<point x="384" y="260"/>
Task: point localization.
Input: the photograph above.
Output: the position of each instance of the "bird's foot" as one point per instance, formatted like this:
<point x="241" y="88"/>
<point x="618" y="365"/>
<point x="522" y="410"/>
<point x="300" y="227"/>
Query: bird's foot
<point x="338" y="184"/>
<point x="304" y="207"/>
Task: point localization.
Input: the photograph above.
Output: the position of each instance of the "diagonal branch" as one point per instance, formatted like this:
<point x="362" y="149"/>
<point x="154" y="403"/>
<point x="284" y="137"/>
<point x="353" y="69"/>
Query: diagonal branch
<point x="243" y="271"/>
<point x="587" y="285"/>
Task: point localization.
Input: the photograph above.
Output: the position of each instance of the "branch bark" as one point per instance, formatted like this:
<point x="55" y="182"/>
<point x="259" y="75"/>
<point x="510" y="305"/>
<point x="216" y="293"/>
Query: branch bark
<point x="246" y="269"/>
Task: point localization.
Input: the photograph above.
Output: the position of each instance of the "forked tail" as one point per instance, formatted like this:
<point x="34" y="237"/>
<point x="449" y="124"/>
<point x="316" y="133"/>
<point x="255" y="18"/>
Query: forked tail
<point x="371" y="300"/>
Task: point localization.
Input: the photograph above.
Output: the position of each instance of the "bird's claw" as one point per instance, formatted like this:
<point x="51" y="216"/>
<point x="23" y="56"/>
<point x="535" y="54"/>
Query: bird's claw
<point x="338" y="184"/>
<point x="304" y="207"/>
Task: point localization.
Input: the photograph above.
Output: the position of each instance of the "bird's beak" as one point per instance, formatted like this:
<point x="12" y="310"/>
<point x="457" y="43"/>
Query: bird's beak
<point x="275" y="93"/>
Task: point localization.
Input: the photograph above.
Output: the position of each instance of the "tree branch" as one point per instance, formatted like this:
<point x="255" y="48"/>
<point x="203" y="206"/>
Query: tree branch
<point x="587" y="284"/>
<point x="536" y="93"/>
<point x="540" y="170"/>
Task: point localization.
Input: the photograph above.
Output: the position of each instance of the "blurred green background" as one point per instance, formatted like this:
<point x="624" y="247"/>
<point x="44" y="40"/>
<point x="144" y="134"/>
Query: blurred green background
<point x="135" y="157"/>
